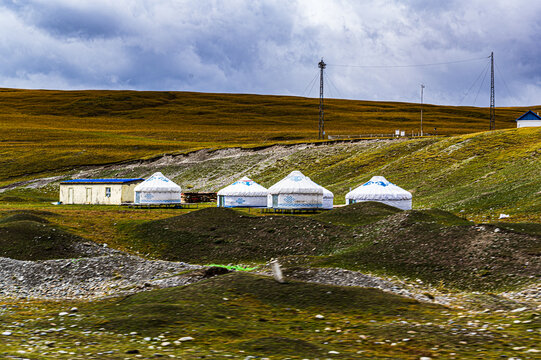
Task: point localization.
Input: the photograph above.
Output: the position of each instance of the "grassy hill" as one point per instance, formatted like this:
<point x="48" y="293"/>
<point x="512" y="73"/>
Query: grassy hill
<point x="46" y="132"/>
<point x="243" y="316"/>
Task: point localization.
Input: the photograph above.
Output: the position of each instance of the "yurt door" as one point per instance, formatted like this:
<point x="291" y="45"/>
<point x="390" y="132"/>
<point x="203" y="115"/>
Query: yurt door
<point x="274" y="200"/>
<point x="221" y="201"/>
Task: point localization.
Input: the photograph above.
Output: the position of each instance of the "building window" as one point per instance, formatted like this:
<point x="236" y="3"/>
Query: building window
<point x="107" y="192"/>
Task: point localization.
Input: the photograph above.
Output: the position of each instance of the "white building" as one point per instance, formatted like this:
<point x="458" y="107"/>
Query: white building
<point x="243" y="193"/>
<point x="295" y="192"/>
<point x="157" y="189"/>
<point x="381" y="190"/>
<point x="98" y="191"/>
<point x="528" y="119"/>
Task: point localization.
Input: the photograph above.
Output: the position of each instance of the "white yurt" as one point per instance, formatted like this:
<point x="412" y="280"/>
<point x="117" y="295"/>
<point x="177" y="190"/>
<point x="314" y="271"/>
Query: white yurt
<point x="243" y="193"/>
<point x="157" y="189"/>
<point x="381" y="190"/>
<point x="328" y="199"/>
<point x="295" y="192"/>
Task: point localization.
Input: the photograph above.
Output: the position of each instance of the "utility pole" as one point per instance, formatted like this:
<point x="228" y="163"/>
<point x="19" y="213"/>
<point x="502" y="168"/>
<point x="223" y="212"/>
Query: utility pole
<point x="321" y="135"/>
<point x="492" y="99"/>
<point x="422" y="88"/>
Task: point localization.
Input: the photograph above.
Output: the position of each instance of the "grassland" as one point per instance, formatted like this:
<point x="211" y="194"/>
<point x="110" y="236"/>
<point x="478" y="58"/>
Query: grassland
<point x="240" y="315"/>
<point x="49" y="132"/>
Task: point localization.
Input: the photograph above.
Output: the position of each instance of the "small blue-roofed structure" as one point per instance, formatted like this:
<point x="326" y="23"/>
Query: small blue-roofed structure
<point x="528" y="119"/>
<point x="98" y="191"/>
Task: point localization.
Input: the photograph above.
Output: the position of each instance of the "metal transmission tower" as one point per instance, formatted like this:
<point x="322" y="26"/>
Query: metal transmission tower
<point x="422" y="88"/>
<point x="321" y="135"/>
<point x="492" y="99"/>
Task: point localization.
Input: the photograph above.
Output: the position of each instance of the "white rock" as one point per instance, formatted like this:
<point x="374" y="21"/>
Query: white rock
<point x="166" y="343"/>
<point x="519" y="309"/>
<point x="334" y="352"/>
<point x="425" y="358"/>
<point x="63" y="313"/>
<point x="7" y="333"/>
<point x="186" y="338"/>
<point x="319" y="316"/>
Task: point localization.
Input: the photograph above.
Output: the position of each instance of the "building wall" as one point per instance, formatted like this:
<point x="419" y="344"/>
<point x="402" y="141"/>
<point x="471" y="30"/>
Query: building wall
<point x="96" y="194"/>
<point x="157" y="197"/>
<point x="528" y="123"/>
<point x="241" y="201"/>
<point x="128" y="192"/>
<point x="295" y="201"/>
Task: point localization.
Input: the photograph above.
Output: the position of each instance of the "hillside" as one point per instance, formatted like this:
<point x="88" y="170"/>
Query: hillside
<point x="47" y="132"/>
<point x="480" y="175"/>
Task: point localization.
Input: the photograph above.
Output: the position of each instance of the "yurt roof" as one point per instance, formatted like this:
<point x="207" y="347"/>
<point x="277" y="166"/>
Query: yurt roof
<point x="378" y="188"/>
<point x="296" y="183"/>
<point x="158" y="183"/>
<point x="243" y="187"/>
<point x="327" y="194"/>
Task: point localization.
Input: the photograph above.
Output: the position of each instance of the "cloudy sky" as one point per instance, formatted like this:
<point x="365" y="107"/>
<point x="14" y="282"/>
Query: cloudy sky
<point x="373" y="48"/>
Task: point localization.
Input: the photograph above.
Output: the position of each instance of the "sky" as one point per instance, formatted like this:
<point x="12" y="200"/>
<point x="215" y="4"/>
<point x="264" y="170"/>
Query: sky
<point x="374" y="49"/>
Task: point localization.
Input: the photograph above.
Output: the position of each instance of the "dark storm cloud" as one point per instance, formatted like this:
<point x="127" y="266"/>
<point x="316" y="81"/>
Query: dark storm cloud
<point x="273" y="47"/>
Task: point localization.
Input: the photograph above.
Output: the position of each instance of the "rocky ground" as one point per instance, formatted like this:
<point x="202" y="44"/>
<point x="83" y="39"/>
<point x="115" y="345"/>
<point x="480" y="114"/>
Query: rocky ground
<point x="113" y="273"/>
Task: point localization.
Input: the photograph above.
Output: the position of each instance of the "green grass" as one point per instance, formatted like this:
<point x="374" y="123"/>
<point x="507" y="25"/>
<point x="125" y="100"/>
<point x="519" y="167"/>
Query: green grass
<point x="227" y="236"/>
<point x="239" y="315"/>
<point x="25" y="236"/>
<point x="359" y="214"/>
<point x="443" y="250"/>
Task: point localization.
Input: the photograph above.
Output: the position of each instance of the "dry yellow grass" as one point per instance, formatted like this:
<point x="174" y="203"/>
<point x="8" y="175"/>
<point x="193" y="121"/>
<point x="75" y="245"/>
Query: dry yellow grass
<point x="45" y="132"/>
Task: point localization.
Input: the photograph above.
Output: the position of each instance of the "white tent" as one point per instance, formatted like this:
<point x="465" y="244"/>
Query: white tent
<point x="328" y="199"/>
<point x="243" y="193"/>
<point x="157" y="189"/>
<point x="295" y="191"/>
<point x="381" y="190"/>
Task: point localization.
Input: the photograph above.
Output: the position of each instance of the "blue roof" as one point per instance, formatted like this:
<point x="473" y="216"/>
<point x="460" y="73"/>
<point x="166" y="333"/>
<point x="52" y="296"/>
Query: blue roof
<point x="529" y="115"/>
<point x="101" y="181"/>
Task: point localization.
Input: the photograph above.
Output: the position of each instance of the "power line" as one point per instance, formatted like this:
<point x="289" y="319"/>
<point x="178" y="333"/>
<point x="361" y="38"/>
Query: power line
<point x="480" y="85"/>
<point x="411" y="65"/>
<point x="332" y="83"/>
<point x="475" y="82"/>
<point x="311" y="83"/>
<point x="503" y="79"/>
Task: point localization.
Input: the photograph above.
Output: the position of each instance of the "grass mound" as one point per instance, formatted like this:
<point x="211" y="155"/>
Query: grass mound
<point x="440" y="248"/>
<point x="358" y="214"/>
<point x="241" y="315"/>
<point x="23" y="217"/>
<point x="216" y="305"/>
<point x="28" y="237"/>
<point x="225" y="235"/>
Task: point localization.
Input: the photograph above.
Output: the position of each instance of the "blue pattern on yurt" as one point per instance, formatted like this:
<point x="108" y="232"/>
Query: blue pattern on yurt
<point x="380" y="183"/>
<point x="240" y="201"/>
<point x="289" y="199"/>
